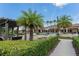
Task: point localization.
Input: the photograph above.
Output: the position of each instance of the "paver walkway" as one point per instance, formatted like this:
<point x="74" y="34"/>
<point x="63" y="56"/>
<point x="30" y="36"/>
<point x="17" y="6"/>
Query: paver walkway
<point x="64" y="48"/>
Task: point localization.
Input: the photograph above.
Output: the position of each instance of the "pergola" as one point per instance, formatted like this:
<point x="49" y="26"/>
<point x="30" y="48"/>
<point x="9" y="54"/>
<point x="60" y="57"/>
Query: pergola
<point x="7" y="23"/>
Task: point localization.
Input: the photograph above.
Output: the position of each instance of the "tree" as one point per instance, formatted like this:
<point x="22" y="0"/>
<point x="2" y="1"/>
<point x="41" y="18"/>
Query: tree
<point x="35" y="20"/>
<point x="49" y="22"/>
<point x="24" y="22"/>
<point x="54" y="21"/>
<point x="64" y="22"/>
<point x="57" y="25"/>
<point x="32" y="20"/>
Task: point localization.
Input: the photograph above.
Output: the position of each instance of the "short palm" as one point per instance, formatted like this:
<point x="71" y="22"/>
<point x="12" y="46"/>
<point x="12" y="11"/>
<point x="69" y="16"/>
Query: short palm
<point x="31" y="19"/>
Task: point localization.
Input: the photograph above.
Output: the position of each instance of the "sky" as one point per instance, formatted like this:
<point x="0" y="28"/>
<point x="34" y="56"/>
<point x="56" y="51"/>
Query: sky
<point x="49" y="10"/>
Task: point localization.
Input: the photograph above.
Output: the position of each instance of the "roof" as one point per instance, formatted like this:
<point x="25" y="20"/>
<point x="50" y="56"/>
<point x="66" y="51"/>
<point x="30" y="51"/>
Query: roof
<point x="54" y="26"/>
<point x="11" y="22"/>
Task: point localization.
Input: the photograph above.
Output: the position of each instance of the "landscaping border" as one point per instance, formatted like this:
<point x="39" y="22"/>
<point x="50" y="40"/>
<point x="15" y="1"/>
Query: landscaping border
<point x="28" y="48"/>
<point x="53" y="47"/>
<point x="75" y="46"/>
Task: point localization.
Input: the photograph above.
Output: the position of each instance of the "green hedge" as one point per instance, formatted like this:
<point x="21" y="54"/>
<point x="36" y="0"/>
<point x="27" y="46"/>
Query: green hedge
<point x="27" y="48"/>
<point x="76" y="44"/>
<point x="76" y="41"/>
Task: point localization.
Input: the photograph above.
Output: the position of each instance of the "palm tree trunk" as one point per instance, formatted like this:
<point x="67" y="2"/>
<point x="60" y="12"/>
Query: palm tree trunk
<point x="25" y="34"/>
<point x="31" y="34"/>
<point x="64" y="30"/>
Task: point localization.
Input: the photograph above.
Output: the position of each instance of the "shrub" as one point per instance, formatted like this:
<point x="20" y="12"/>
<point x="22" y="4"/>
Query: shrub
<point x="76" y="41"/>
<point x="76" y="44"/>
<point x="27" y="48"/>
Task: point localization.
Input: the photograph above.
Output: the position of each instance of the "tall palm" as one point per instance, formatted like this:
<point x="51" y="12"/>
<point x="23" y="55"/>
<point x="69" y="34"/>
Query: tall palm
<point x="54" y="22"/>
<point x="49" y="22"/>
<point x="64" y="22"/>
<point x="57" y="25"/>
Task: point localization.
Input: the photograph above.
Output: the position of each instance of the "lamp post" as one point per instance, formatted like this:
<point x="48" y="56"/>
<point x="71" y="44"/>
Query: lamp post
<point x="57" y="27"/>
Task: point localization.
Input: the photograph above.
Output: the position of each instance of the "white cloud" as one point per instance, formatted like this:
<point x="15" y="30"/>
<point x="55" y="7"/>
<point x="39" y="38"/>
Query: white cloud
<point x="61" y="5"/>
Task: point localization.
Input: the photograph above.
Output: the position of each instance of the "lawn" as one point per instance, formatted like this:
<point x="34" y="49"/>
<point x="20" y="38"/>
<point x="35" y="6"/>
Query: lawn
<point x="27" y="48"/>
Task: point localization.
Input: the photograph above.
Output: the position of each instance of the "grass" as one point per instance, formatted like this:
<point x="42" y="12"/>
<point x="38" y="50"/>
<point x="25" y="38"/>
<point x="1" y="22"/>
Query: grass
<point x="27" y="48"/>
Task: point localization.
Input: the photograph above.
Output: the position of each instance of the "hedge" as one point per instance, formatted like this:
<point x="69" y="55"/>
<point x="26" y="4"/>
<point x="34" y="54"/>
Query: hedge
<point x="27" y="48"/>
<point x="76" y="44"/>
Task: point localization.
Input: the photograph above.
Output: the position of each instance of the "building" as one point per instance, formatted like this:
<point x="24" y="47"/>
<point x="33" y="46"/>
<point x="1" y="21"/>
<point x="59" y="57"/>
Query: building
<point x="72" y="29"/>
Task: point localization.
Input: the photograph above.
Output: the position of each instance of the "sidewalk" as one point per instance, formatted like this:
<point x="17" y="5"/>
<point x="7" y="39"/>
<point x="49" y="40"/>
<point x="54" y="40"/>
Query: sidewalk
<point x="64" y="48"/>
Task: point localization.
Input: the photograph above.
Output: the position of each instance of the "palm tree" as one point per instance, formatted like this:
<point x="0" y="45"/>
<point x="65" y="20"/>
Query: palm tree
<point x="57" y="25"/>
<point x="54" y="21"/>
<point x="24" y="22"/>
<point x="64" y="22"/>
<point x="49" y="22"/>
<point x="32" y="20"/>
<point x="35" y="20"/>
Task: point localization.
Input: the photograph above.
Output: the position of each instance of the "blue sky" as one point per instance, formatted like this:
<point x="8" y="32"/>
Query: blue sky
<point x="49" y="10"/>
